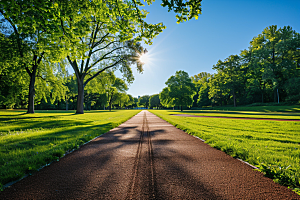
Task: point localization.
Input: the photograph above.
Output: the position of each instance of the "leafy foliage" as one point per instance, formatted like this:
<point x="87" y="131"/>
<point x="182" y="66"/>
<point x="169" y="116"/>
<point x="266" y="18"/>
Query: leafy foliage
<point x="154" y="101"/>
<point x="144" y="101"/>
<point x="266" y="72"/>
<point x="180" y="90"/>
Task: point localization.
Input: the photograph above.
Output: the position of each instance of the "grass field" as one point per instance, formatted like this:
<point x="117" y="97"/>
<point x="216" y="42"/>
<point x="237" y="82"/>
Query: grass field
<point x="30" y="141"/>
<point x="272" y="146"/>
<point x="262" y="108"/>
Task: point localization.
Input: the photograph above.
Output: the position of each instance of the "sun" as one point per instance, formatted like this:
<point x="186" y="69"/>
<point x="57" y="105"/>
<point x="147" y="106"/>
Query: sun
<point x="144" y="58"/>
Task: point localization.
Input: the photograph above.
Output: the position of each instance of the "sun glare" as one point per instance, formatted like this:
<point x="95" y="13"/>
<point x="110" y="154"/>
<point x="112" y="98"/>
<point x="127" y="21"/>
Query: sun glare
<point x="144" y="58"/>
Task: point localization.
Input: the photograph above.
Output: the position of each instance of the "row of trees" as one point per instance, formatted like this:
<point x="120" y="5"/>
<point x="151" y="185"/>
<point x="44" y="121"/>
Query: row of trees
<point x="268" y="71"/>
<point x="40" y="38"/>
<point x="106" y="91"/>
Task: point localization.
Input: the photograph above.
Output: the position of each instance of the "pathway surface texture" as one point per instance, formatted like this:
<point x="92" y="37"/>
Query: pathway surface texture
<point x="147" y="158"/>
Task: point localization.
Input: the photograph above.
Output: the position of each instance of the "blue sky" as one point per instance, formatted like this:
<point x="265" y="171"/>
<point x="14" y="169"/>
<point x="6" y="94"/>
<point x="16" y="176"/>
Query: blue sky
<point x="225" y="27"/>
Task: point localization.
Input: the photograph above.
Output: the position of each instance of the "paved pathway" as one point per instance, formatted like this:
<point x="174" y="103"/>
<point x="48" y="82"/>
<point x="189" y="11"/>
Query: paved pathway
<point x="147" y="158"/>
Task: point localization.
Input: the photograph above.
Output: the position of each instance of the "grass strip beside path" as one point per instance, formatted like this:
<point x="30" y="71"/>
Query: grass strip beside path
<point x="272" y="146"/>
<point x="259" y="108"/>
<point x="30" y="141"/>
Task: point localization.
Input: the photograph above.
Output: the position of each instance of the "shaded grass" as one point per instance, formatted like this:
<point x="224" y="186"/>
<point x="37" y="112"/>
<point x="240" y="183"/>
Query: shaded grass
<point x="272" y="146"/>
<point x="30" y="141"/>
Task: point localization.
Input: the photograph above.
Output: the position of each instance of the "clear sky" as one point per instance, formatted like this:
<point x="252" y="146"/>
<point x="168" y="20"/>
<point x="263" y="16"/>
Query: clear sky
<point x="225" y="28"/>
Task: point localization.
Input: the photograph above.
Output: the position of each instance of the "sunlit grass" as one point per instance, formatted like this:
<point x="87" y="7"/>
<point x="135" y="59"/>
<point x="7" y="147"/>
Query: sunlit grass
<point x="29" y="141"/>
<point x="242" y="114"/>
<point x="272" y="146"/>
<point x="261" y="108"/>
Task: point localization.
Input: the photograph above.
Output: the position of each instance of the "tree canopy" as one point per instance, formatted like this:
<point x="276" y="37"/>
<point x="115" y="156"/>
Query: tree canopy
<point x="49" y="31"/>
<point x="179" y="91"/>
<point x="154" y="101"/>
<point x="268" y="71"/>
<point x="144" y="101"/>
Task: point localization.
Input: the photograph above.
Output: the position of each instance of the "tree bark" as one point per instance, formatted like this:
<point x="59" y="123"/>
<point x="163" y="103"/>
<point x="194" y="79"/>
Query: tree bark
<point x="31" y="93"/>
<point x="262" y="92"/>
<point x="80" y="97"/>
<point x="32" y="75"/>
<point x="67" y="104"/>
<point x="110" y="101"/>
<point x="234" y="99"/>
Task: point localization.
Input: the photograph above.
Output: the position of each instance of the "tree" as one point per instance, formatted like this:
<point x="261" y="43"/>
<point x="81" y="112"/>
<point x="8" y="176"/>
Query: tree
<point x="154" y="101"/>
<point x="105" y="52"/>
<point x="292" y="88"/>
<point x="276" y="51"/>
<point x="218" y="94"/>
<point x="179" y="91"/>
<point x="122" y="99"/>
<point x="113" y="89"/>
<point x="135" y="100"/>
<point x="130" y="101"/>
<point x="232" y="74"/>
<point x="144" y="101"/>
<point x="165" y="98"/>
<point x="34" y="39"/>
<point x="53" y="28"/>
<point x="201" y="83"/>
<point x="12" y="81"/>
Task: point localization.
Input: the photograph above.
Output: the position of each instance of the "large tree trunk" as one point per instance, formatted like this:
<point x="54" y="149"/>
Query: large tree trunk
<point x="80" y="97"/>
<point x="32" y="75"/>
<point x="31" y="94"/>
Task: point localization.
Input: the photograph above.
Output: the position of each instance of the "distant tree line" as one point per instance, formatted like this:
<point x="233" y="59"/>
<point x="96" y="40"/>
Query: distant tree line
<point x="268" y="71"/>
<point x="34" y="72"/>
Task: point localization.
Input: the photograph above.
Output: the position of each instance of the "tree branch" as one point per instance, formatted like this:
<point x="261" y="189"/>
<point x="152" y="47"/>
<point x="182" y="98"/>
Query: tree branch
<point x="105" y="46"/>
<point x="103" y="57"/>
<point x="102" y="70"/>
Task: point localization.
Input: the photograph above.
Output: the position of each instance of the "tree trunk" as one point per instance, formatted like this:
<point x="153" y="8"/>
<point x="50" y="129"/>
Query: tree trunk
<point x="234" y="99"/>
<point x="80" y="97"/>
<point x="110" y="101"/>
<point x="181" y="108"/>
<point x="67" y="104"/>
<point x="262" y="93"/>
<point x="277" y="95"/>
<point x="31" y="94"/>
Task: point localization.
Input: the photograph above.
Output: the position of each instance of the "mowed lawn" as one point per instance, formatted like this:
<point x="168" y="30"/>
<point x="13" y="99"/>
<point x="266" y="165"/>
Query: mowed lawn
<point x="30" y="141"/>
<point x="272" y="146"/>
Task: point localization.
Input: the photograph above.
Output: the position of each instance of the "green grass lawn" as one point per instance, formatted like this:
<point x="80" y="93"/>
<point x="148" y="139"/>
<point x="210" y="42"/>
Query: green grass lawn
<point x="272" y="146"/>
<point x="30" y="141"/>
<point x="262" y="108"/>
<point x="241" y="114"/>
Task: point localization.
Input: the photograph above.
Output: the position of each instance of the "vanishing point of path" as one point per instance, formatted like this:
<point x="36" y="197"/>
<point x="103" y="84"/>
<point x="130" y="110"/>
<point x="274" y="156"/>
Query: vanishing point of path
<point x="147" y="158"/>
